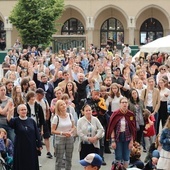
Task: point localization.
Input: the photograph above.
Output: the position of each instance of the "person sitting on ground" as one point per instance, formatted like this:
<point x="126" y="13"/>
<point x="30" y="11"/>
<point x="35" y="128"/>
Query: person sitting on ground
<point x="92" y="161"/>
<point x="154" y="146"/>
<point x="6" y="147"/>
<point x="135" y="155"/>
<point x="151" y="165"/>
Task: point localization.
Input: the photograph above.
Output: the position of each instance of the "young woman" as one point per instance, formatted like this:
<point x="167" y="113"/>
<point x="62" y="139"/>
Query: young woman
<point x="24" y="87"/>
<point x="136" y="106"/>
<point x="90" y="130"/>
<point x="163" y="71"/>
<point x="164" y="160"/>
<point x="6" y="147"/>
<point x="22" y="74"/>
<point x="114" y="97"/>
<point x="63" y="127"/>
<point x="70" y="108"/>
<point x="126" y="73"/>
<point x="162" y="112"/>
<point x="5" y="103"/>
<point x="17" y="97"/>
<point x="122" y="131"/>
<point x="139" y="87"/>
<point x="90" y="87"/>
<point x="135" y="80"/>
<point x="58" y="94"/>
<point x="71" y="91"/>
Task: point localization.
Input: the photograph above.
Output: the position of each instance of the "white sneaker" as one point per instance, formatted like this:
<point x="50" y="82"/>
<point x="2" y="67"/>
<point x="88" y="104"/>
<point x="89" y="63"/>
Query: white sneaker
<point x="40" y="165"/>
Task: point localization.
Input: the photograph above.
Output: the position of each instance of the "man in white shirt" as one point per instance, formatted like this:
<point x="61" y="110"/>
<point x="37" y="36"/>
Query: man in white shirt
<point x="46" y="131"/>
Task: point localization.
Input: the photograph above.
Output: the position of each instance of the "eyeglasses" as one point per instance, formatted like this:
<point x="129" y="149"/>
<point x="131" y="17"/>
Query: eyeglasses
<point x="124" y="102"/>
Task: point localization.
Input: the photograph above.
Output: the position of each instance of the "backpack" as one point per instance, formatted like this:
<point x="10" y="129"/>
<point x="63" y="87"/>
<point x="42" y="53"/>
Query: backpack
<point x="117" y="166"/>
<point x="58" y="120"/>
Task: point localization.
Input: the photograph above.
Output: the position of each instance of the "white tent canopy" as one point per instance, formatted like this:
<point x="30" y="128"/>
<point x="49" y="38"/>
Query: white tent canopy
<point x="159" y="45"/>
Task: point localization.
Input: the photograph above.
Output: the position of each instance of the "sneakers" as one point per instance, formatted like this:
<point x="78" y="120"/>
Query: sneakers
<point x="40" y="165"/>
<point x="103" y="163"/>
<point x="107" y="150"/>
<point x="49" y="155"/>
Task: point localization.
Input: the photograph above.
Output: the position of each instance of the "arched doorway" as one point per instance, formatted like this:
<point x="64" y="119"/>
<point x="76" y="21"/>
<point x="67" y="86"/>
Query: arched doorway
<point x="2" y="31"/>
<point x="111" y="32"/>
<point x="2" y="36"/>
<point x="72" y="27"/>
<point x="150" y="30"/>
<point x="72" y="36"/>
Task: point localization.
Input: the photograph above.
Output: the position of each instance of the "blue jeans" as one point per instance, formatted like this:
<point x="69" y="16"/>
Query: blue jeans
<point x="122" y="152"/>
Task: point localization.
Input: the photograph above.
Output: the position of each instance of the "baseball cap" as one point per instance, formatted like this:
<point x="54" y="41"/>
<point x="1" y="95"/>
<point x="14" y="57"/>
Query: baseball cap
<point x="40" y="91"/>
<point x="91" y="159"/>
<point x="155" y="154"/>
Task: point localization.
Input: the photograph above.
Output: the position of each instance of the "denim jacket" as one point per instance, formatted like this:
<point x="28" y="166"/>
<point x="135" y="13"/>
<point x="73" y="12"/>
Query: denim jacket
<point x="165" y="139"/>
<point x="8" y="149"/>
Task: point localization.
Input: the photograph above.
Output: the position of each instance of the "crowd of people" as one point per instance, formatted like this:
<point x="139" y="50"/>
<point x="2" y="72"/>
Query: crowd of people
<point x="96" y="95"/>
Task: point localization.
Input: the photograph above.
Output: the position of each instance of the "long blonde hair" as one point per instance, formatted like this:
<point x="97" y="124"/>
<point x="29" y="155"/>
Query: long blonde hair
<point x="57" y="105"/>
<point x="5" y="140"/>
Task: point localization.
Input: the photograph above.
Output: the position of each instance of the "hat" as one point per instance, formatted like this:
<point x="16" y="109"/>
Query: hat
<point x="40" y="91"/>
<point x="116" y="68"/>
<point x="91" y="159"/>
<point x="155" y="154"/>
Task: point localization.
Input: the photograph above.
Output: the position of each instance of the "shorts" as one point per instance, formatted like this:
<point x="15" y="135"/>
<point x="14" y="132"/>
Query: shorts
<point x="46" y="131"/>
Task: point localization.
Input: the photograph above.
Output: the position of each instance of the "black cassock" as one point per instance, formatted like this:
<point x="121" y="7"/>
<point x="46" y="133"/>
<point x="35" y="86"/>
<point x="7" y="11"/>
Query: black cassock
<point x="27" y="140"/>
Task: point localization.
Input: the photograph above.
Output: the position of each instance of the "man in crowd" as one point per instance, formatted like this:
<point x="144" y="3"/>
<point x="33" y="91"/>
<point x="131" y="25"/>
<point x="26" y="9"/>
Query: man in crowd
<point x="92" y="161"/>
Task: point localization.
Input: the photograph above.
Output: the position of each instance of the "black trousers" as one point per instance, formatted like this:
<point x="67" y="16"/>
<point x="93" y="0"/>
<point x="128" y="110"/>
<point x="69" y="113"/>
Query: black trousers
<point x="86" y="149"/>
<point x="162" y="114"/>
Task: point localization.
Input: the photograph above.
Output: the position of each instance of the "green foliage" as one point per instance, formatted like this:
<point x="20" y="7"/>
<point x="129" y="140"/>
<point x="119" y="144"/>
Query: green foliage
<point x="35" y="19"/>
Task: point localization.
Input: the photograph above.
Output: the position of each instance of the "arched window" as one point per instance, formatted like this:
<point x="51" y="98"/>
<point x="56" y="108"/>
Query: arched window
<point x="2" y="31"/>
<point x="72" y="27"/>
<point x="111" y="32"/>
<point x="150" y="30"/>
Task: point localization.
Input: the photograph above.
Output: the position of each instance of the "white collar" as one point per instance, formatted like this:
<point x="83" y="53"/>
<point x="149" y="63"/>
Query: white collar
<point x="23" y="118"/>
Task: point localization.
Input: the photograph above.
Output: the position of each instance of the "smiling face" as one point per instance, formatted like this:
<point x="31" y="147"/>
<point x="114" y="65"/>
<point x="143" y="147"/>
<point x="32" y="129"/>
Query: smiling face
<point x="87" y="111"/>
<point x="22" y="110"/>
